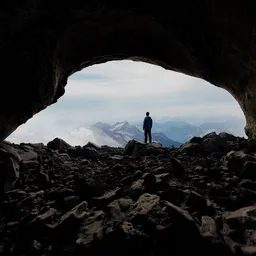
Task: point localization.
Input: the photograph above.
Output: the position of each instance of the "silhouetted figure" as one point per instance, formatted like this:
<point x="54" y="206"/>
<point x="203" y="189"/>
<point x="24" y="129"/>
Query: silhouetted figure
<point x="147" y="126"/>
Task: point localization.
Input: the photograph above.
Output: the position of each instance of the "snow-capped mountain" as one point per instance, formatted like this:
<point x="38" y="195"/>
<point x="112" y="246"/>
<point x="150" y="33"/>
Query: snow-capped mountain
<point x="116" y="135"/>
<point x="128" y="131"/>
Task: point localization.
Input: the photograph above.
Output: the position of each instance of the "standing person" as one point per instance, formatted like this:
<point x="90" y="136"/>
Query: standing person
<point x="147" y="126"/>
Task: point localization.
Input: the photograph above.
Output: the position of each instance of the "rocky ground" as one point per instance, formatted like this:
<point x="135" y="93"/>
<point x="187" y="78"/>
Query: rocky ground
<point x="141" y="200"/>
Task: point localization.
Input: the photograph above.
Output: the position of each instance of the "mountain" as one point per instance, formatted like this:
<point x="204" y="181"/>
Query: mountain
<point x="230" y="126"/>
<point x="128" y="131"/>
<point x="178" y="131"/>
<point x="116" y="135"/>
<point x="171" y="132"/>
<point x="183" y="131"/>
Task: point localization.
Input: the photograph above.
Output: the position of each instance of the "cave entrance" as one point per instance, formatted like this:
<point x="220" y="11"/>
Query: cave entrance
<point x="114" y="96"/>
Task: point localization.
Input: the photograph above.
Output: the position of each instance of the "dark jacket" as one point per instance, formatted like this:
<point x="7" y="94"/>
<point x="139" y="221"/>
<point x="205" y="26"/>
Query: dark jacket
<point x="147" y="124"/>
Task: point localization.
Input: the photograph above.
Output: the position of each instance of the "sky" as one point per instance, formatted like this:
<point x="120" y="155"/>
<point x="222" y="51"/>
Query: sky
<point x="125" y="90"/>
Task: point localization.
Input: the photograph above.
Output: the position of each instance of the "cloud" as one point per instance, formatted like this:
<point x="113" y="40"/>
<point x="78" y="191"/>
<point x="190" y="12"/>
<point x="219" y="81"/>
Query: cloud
<point x="129" y="80"/>
<point x="125" y="90"/>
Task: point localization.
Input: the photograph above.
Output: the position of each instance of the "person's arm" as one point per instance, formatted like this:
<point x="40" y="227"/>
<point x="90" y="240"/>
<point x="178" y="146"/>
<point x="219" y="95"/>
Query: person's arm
<point x="151" y="123"/>
<point x="144" y="124"/>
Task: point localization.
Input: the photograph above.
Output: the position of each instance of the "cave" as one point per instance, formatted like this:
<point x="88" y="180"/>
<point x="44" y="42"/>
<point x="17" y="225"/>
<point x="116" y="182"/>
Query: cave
<point x="47" y="41"/>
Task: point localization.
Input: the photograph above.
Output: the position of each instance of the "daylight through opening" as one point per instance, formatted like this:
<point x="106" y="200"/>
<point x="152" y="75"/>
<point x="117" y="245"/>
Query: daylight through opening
<point x="106" y="104"/>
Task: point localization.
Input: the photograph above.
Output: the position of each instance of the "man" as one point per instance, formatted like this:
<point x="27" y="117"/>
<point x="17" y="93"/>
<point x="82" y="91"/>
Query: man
<point x="147" y="126"/>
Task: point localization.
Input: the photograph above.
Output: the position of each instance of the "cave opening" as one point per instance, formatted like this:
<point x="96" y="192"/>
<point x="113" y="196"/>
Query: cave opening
<point x="106" y="103"/>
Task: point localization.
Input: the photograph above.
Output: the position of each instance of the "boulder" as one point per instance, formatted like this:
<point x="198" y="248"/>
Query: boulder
<point x="136" y="148"/>
<point x="58" y="143"/>
<point x="177" y="168"/>
<point x="213" y="143"/>
<point x="235" y="161"/>
<point x="191" y="148"/>
<point x="9" y="167"/>
<point x="90" y="153"/>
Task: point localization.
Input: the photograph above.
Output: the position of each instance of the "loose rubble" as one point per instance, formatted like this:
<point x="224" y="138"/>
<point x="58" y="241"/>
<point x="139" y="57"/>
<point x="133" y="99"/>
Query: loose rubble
<point x="141" y="200"/>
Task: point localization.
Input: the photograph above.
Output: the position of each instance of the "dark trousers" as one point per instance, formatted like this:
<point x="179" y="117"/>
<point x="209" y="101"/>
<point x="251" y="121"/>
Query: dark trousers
<point x="147" y="134"/>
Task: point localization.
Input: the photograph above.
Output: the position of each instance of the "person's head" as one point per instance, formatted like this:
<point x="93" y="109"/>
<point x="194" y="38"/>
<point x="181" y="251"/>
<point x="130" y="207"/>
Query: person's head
<point x="147" y="114"/>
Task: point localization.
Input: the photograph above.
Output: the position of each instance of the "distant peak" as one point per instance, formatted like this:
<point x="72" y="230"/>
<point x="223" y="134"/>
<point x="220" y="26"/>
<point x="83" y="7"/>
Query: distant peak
<point x="101" y="125"/>
<point x="120" y="124"/>
<point x="123" y="122"/>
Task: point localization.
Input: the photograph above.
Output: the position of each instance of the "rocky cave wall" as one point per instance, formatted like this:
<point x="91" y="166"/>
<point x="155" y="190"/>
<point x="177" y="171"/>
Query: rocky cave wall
<point x="43" y="42"/>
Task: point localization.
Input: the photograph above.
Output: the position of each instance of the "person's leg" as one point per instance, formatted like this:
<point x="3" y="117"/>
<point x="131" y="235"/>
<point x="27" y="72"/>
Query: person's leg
<point x="150" y="137"/>
<point x="145" y="136"/>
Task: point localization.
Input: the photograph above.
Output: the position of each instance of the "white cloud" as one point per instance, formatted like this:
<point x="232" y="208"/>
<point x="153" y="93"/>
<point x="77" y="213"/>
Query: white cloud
<point x="128" y="80"/>
<point x="125" y="90"/>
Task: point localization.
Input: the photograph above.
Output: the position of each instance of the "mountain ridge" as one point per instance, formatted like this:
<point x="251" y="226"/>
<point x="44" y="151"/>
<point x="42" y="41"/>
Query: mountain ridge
<point x="119" y="134"/>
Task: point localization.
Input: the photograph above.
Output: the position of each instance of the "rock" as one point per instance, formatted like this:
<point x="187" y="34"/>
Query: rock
<point x="131" y="178"/>
<point x="246" y="183"/>
<point x="91" y="232"/>
<point x="161" y="169"/>
<point x="42" y="179"/>
<point x="16" y="193"/>
<point x="136" y="148"/>
<point x="27" y="155"/>
<point x="213" y="173"/>
<point x="162" y="180"/>
<point x="195" y="140"/>
<point x="58" y="143"/>
<point x="9" y="173"/>
<point x="9" y="166"/>
<point x="92" y="145"/>
<point x="139" y="149"/>
<point x="143" y="207"/>
<point x="90" y="153"/>
<point x="235" y="161"/>
<point x="242" y="145"/>
<point x="154" y="144"/>
<point x="249" y="170"/>
<point x="35" y="248"/>
<point x="173" y="195"/>
<point x="149" y="180"/>
<point x="196" y="201"/>
<point x="118" y="209"/>
<point x="71" y="220"/>
<point x="129" y="147"/>
<point x="159" y="202"/>
<point x="37" y="145"/>
<point x="69" y="202"/>
<point x="208" y="228"/>
<point x="209" y="135"/>
<point x="31" y="165"/>
<point x="241" y="218"/>
<point x="88" y="188"/>
<point x="178" y="169"/>
<point x="104" y="200"/>
<point x="214" y="143"/>
<point x="191" y="148"/>
<point x="137" y="189"/>
<point x="117" y="157"/>
<point x="7" y="151"/>
<point x="248" y="194"/>
<point x="251" y="145"/>
<point x="248" y="250"/>
<point x="181" y="219"/>
<point x="227" y="136"/>
<point x="41" y="222"/>
<point x="46" y="225"/>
